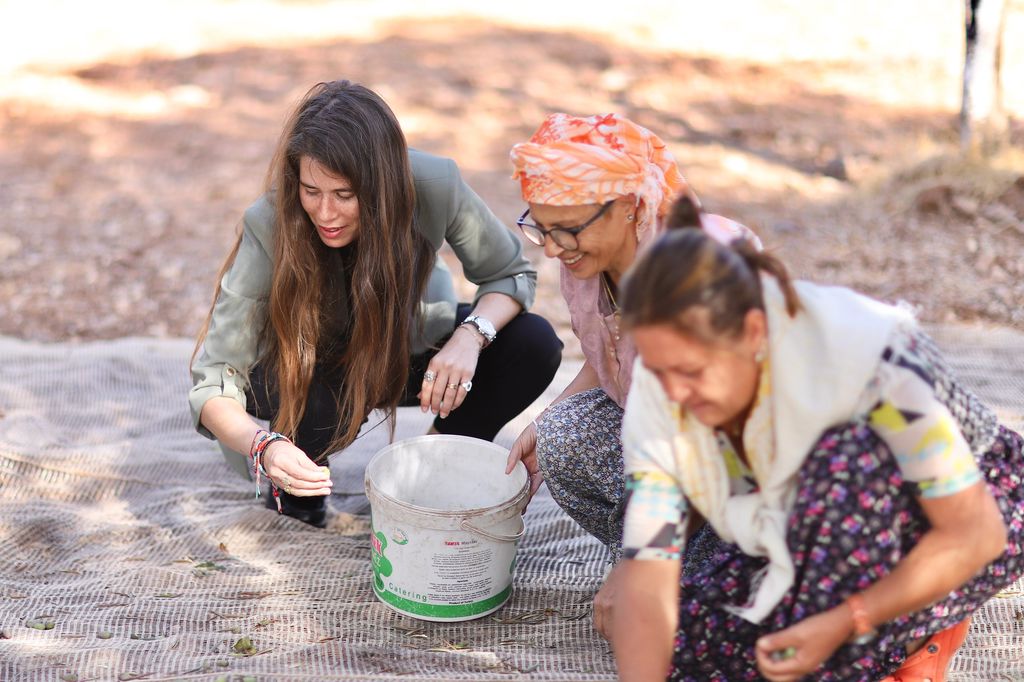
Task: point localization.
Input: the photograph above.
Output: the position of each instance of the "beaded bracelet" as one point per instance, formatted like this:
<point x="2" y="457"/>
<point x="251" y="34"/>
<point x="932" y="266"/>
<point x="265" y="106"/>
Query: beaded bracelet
<point x="261" y="440"/>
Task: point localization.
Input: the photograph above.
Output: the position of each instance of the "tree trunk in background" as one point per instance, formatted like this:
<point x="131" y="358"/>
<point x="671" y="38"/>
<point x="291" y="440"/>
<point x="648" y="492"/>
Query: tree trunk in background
<point x="983" y="122"/>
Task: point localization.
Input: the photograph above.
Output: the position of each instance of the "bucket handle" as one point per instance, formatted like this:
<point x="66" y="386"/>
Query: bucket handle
<point x="497" y="537"/>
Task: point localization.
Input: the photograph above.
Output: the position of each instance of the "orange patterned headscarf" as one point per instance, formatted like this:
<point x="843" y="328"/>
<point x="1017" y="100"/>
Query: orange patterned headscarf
<point x="574" y="161"/>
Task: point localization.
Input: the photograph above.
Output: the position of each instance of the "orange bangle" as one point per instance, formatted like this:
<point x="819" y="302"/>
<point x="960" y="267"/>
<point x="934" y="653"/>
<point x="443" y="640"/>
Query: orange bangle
<point x="861" y="623"/>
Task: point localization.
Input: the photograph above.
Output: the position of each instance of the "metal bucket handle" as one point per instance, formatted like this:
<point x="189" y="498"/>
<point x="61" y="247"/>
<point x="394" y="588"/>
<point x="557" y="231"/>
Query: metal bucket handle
<point x="497" y="537"/>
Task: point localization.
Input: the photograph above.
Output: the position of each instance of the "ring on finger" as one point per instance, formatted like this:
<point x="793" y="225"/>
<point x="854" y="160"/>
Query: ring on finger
<point x="467" y="385"/>
<point x="288" y="489"/>
<point x="429" y="376"/>
<point x="454" y="385"/>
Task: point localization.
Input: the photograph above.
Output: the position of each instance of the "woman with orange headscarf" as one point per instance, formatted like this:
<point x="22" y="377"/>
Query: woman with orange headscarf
<point x="598" y="189"/>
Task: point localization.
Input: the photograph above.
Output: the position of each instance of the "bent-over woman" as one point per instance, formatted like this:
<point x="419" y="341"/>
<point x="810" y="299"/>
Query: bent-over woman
<point x="866" y="501"/>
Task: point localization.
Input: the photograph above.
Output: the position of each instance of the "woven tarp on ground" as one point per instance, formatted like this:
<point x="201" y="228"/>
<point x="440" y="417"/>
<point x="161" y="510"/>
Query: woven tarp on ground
<point x="128" y="549"/>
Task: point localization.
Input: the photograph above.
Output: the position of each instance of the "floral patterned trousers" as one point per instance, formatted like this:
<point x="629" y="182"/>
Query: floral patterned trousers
<point x="854" y="519"/>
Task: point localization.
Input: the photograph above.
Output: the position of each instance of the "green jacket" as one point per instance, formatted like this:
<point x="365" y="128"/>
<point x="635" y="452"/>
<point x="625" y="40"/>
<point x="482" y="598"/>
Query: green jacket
<point x="447" y="210"/>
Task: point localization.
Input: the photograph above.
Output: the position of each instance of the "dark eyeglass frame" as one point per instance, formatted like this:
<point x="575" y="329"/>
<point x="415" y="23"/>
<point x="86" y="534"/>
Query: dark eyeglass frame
<point x="565" y="237"/>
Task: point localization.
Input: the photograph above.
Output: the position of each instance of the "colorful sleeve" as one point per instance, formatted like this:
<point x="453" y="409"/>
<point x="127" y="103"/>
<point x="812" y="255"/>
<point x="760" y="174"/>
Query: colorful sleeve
<point x="926" y="440"/>
<point x="655" y="525"/>
<point x="655" y="521"/>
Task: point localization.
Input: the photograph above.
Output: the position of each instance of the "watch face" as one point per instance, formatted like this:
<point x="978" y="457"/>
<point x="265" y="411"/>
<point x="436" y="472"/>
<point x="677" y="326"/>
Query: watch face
<point x="484" y="325"/>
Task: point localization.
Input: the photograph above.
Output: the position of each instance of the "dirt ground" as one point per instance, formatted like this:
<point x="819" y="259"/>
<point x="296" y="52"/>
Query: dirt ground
<point x="129" y="146"/>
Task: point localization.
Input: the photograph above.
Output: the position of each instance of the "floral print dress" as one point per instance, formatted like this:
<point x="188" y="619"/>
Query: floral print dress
<point x="856" y="514"/>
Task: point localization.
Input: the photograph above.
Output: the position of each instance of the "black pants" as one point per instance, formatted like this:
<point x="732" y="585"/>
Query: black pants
<point x="511" y="373"/>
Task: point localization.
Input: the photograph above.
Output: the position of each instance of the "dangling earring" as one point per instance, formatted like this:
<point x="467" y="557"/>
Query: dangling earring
<point x="759" y="355"/>
<point x="633" y="216"/>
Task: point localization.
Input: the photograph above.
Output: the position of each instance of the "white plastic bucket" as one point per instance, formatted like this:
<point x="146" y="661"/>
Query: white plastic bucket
<point x="445" y="524"/>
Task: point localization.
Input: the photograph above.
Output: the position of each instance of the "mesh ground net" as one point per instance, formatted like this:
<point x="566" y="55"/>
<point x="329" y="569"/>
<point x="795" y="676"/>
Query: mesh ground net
<point x="129" y="550"/>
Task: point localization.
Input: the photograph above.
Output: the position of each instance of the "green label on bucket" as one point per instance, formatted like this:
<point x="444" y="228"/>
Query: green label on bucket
<point x="440" y="610"/>
<point x="381" y="566"/>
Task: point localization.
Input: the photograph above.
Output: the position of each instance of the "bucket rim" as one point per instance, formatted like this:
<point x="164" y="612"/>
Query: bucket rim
<point x="474" y="512"/>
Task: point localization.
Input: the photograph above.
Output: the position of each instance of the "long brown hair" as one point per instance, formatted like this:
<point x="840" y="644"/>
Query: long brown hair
<point x="691" y="281"/>
<point x="350" y="131"/>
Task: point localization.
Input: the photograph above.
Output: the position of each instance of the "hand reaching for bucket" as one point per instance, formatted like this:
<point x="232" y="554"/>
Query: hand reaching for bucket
<point x="525" y="450"/>
<point x="294" y="472"/>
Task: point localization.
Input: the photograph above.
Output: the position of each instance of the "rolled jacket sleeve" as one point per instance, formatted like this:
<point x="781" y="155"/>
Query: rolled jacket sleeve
<point x="491" y="255"/>
<point x="231" y="346"/>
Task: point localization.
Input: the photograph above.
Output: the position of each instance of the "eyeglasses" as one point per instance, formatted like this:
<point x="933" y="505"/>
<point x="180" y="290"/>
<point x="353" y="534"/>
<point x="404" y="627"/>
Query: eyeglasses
<point x="565" y="237"/>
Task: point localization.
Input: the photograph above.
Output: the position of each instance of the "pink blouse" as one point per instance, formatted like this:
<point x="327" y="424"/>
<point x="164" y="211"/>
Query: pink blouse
<point x="596" y="324"/>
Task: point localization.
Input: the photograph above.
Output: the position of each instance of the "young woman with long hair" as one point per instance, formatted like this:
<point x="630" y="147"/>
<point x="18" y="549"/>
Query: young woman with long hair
<point x="334" y="302"/>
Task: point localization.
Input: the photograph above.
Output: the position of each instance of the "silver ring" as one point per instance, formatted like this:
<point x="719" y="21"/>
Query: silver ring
<point x="467" y="385"/>
<point x="429" y="376"/>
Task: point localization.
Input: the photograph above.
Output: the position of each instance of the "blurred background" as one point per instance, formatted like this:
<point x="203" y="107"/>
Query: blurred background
<point x="134" y="134"/>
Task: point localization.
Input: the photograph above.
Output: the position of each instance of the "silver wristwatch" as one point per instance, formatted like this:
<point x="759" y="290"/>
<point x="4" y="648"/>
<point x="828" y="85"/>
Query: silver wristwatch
<point x="484" y="326"/>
